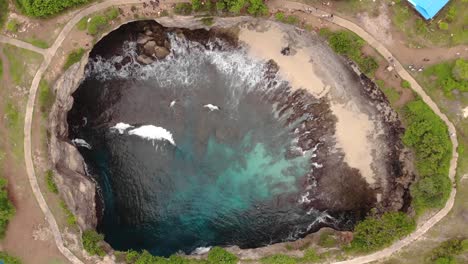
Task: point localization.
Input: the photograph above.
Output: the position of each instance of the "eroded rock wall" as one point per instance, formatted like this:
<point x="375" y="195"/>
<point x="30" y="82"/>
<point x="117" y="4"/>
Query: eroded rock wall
<point x="76" y="188"/>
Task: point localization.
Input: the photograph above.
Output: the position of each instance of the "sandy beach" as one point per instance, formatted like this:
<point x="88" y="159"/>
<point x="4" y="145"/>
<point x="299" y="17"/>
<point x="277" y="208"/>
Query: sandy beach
<point x="354" y="128"/>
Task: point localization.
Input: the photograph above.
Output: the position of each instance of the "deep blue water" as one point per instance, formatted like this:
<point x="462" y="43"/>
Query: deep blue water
<point x="233" y="177"/>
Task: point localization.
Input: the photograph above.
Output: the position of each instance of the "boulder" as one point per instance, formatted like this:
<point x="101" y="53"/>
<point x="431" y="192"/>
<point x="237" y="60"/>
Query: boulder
<point x="148" y="48"/>
<point x="143" y="59"/>
<point x="161" y="52"/>
<point x="143" y="39"/>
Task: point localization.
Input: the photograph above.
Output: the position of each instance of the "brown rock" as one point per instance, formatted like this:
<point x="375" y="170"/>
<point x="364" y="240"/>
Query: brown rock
<point x="161" y="52"/>
<point x="149" y="47"/>
<point x="143" y="39"/>
<point x="143" y="59"/>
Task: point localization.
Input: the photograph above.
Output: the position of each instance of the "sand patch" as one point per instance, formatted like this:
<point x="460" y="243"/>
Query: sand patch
<point x="296" y="67"/>
<point x="353" y="129"/>
<point x="465" y="112"/>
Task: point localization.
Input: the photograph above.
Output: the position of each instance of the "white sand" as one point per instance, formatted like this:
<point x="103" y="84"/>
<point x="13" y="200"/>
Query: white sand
<point x="297" y="68"/>
<point x="353" y="130"/>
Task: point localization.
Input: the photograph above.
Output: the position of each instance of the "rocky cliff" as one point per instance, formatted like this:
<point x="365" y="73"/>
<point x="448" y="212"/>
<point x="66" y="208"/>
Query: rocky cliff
<point x="76" y="188"/>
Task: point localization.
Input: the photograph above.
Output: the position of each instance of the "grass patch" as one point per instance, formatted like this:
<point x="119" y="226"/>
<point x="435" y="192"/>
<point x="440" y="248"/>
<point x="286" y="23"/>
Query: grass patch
<point x="98" y="23"/>
<point x="46" y="97"/>
<point x="327" y="240"/>
<point x="392" y="95"/>
<point x="74" y="57"/>
<point x="71" y="219"/>
<point x="291" y="19"/>
<point x="14" y="123"/>
<point x="349" y="44"/>
<point x="51" y="186"/>
<point x="38" y="43"/>
<point x="19" y="60"/>
<point x="183" y="9"/>
<point x="82" y="24"/>
<point x="405" y="84"/>
<point x="3" y="12"/>
<point x="13" y="25"/>
<point x="92" y="243"/>
<point x="7" y="210"/>
<point x="448" y="76"/>
<point x="1" y="69"/>
<point x="310" y="256"/>
<point x="8" y="259"/>
<point x="427" y="135"/>
<point x="376" y="232"/>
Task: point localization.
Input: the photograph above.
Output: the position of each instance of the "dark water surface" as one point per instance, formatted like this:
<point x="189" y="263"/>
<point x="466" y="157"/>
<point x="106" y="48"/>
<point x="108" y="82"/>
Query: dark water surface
<point x="232" y="176"/>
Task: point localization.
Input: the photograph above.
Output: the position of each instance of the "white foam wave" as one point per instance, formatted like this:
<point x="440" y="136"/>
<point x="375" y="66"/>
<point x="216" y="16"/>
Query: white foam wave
<point x="304" y="198"/>
<point x="172" y="103"/>
<point x="151" y="132"/>
<point x="81" y="143"/>
<point x="201" y="250"/>
<point x="121" y="127"/>
<point x="211" y="107"/>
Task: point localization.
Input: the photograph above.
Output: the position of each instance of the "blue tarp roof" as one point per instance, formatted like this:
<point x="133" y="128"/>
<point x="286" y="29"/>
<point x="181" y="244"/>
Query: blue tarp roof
<point x="428" y="8"/>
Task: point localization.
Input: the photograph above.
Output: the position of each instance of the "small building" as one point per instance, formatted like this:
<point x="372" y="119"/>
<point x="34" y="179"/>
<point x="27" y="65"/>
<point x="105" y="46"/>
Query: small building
<point x="428" y="8"/>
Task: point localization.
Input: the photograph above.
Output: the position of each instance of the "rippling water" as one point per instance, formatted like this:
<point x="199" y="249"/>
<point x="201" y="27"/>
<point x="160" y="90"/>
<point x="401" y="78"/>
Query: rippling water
<point x="211" y="163"/>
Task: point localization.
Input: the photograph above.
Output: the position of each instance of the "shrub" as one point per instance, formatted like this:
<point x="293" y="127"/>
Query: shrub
<point x="327" y="240"/>
<point x="447" y="250"/>
<point x="112" y="13"/>
<point x="51" y="182"/>
<point x="257" y="8"/>
<point x="235" y="6"/>
<point x="448" y="76"/>
<point x="91" y="242"/>
<point x="310" y="256"/>
<point x="183" y="9"/>
<point x="13" y="25"/>
<point x="280" y="16"/>
<point x="8" y="259"/>
<point x="451" y="14"/>
<point x="74" y="57"/>
<point x="82" y="24"/>
<point x="71" y="219"/>
<point x="428" y="136"/>
<point x="220" y="6"/>
<point x="443" y="25"/>
<point x="7" y="210"/>
<point x="377" y="232"/>
<point x="405" y="84"/>
<point x="44" y="8"/>
<point x="221" y="256"/>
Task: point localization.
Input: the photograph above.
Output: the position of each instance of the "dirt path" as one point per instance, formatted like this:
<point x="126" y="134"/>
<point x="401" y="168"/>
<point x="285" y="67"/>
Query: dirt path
<point x="417" y="88"/>
<point x="21" y="44"/>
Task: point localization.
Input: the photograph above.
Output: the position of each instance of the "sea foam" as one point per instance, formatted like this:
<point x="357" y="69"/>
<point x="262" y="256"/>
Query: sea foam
<point x="121" y="127"/>
<point x="81" y="143"/>
<point x="152" y="133"/>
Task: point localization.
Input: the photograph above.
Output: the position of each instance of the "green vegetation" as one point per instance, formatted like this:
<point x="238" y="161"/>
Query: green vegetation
<point x="448" y="76"/>
<point x="8" y="259"/>
<point x="98" y="23"/>
<point x="74" y="57"/>
<point x="448" y="28"/>
<point x="252" y="7"/>
<point x="51" y="186"/>
<point x="3" y="12"/>
<point x="349" y="44"/>
<point x="377" y="232"/>
<point x="221" y="256"/>
<point x="92" y="243"/>
<point x="207" y="21"/>
<point x="1" y="69"/>
<point x="448" y="250"/>
<point x="46" y="97"/>
<point x="392" y="95"/>
<point x="183" y="8"/>
<point x="327" y="240"/>
<point x="38" y="8"/>
<point x="427" y="135"/>
<point x="19" y="60"/>
<point x="71" y="219"/>
<point x="13" y="25"/>
<point x="405" y="84"/>
<point x="14" y="123"/>
<point x="7" y="210"/>
<point x="310" y="256"/>
<point x="38" y="43"/>
<point x="291" y="19"/>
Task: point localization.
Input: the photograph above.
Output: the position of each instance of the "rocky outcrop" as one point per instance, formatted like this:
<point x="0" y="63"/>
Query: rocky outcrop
<point x="76" y="188"/>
